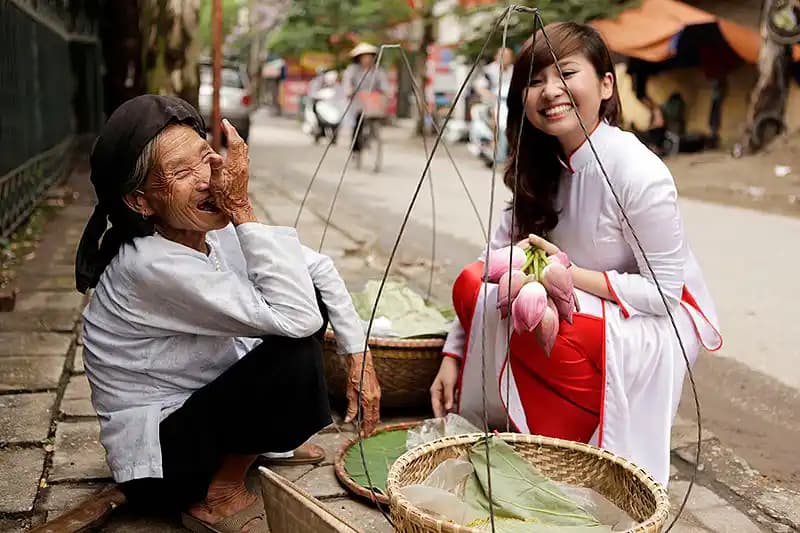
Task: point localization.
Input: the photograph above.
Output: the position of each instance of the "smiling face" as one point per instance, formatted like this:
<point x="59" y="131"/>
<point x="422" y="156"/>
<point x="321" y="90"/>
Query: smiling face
<point x="176" y="191"/>
<point x="548" y="105"/>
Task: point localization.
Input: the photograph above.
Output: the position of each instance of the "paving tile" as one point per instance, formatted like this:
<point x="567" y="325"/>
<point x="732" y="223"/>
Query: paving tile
<point x="56" y="499"/>
<point x="684" y="433"/>
<point x="34" y="343"/>
<point x="77" y="397"/>
<point x="710" y="510"/>
<point x="51" y="283"/>
<point x="361" y="516"/>
<point x="30" y="373"/>
<point x="37" y="272"/>
<point x="331" y="443"/>
<point x="78" y="453"/>
<point x="10" y="525"/>
<point x="31" y="301"/>
<point x="53" y="320"/>
<point x="321" y="482"/>
<point x="25" y="417"/>
<point x="22" y="469"/>
<point x="77" y="364"/>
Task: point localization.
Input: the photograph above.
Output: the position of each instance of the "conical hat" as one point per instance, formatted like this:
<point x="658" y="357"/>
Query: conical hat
<point x="363" y="48"/>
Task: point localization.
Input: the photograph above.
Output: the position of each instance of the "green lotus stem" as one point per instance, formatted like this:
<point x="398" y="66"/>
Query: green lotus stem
<point x="528" y="263"/>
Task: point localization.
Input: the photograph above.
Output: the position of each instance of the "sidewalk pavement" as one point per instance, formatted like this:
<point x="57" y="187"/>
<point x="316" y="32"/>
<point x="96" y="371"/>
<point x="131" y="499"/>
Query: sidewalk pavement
<point x="51" y="459"/>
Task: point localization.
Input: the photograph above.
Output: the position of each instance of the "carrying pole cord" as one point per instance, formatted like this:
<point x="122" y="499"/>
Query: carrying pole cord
<point x="359" y="412"/>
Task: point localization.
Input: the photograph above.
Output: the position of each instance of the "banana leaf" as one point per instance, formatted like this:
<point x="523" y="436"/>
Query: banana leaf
<point x="380" y="451"/>
<point x="407" y="310"/>
<point x="524" y="500"/>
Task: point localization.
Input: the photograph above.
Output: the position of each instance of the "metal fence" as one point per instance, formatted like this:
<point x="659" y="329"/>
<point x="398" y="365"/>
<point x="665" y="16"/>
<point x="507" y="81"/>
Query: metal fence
<point x="50" y="92"/>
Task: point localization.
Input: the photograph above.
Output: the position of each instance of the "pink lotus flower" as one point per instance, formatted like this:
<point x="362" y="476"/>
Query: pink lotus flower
<point x="559" y="257"/>
<point x="547" y="330"/>
<point x="504" y="297"/>
<point x="529" y="307"/>
<point x="558" y="282"/>
<point x="499" y="261"/>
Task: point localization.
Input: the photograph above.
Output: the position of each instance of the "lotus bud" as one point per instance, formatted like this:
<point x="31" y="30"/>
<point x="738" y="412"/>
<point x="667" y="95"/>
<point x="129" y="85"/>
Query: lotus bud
<point x="547" y="330"/>
<point x="504" y="296"/>
<point x="529" y="307"/>
<point x="559" y="257"/>
<point x="499" y="261"/>
<point x="559" y="285"/>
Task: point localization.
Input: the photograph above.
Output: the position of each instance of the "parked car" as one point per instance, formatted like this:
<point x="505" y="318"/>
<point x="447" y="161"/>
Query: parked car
<point x="234" y="100"/>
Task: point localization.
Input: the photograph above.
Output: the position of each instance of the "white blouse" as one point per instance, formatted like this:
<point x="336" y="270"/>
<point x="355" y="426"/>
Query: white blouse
<point x="166" y="319"/>
<point x="592" y="231"/>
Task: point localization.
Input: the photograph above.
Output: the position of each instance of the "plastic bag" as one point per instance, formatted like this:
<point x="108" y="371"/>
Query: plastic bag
<point x="441" y="494"/>
<point x="598" y="506"/>
<point x="435" y="428"/>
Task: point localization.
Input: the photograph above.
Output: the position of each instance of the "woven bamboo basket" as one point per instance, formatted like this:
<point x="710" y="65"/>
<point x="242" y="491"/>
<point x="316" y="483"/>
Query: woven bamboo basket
<point x="344" y="477"/>
<point x="405" y="369"/>
<point x="626" y="485"/>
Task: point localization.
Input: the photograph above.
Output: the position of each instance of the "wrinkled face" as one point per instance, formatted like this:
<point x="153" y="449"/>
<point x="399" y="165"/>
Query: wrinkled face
<point x="366" y="60"/>
<point x="548" y="104"/>
<point x="177" y="191"/>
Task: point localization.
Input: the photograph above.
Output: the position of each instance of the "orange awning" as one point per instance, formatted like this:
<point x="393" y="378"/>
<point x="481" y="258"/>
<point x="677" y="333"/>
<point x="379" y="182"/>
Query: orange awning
<point x="647" y="31"/>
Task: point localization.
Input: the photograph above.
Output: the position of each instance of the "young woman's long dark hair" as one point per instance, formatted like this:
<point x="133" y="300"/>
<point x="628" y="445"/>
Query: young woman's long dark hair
<point x="537" y="156"/>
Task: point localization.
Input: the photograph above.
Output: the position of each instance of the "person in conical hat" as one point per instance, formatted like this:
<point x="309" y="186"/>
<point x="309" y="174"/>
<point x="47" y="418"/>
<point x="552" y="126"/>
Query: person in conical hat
<point x="363" y="61"/>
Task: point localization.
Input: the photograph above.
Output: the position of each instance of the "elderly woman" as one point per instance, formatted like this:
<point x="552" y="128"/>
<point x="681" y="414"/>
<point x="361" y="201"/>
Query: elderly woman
<point x="202" y="336"/>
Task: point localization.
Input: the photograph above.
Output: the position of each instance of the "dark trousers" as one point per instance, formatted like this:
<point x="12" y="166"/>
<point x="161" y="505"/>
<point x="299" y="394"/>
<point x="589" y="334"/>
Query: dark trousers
<point x="273" y="399"/>
<point x="357" y="134"/>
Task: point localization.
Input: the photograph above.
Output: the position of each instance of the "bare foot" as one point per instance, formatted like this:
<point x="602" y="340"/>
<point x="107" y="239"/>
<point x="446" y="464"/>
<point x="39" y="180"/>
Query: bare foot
<point x="219" y="506"/>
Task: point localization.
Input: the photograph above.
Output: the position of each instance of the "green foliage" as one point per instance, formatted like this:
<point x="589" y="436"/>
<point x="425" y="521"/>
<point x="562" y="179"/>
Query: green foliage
<point x="380" y="451"/>
<point x="334" y="26"/>
<point x="521" y="24"/>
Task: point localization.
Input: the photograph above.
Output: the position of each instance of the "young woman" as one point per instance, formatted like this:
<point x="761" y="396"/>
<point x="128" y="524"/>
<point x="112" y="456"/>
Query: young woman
<point x="615" y="375"/>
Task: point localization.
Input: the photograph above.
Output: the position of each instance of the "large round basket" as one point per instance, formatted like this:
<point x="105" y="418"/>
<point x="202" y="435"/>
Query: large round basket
<point x="344" y="477"/>
<point x="626" y="485"/>
<point x="405" y="368"/>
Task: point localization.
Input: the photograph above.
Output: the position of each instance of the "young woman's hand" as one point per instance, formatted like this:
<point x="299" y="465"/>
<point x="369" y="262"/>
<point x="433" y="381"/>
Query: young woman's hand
<point x="370" y="394"/>
<point x="534" y="240"/>
<point x="229" y="178"/>
<point x="443" y="390"/>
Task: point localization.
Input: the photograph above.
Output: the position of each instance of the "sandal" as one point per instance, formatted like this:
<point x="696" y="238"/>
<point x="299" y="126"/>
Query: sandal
<point x="233" y="523"/>
<point x="306" y="454"/>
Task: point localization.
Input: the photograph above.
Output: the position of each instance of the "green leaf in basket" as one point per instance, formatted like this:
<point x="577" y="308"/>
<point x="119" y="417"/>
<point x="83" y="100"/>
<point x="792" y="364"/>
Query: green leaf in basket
<point x="525" y="501"/>
<point x="380" y="451"/>
<point x="411" y="317"/>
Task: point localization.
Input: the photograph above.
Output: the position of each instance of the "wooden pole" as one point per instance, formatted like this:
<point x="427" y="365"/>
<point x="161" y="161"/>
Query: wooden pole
<point x="216" y="46"/>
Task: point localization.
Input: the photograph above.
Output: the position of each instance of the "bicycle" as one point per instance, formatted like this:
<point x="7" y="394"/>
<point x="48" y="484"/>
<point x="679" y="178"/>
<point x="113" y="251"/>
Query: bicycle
<point x="373" y="105"/>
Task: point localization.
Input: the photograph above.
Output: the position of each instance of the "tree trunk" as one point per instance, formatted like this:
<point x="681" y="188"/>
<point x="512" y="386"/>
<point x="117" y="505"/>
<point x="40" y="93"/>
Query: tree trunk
<point x="768" y="98"/>
<point x="122" y="52"/>
<point x="171" y="48"/>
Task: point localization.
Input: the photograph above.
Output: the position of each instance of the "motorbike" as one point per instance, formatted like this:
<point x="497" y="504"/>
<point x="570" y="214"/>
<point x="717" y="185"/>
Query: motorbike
<point x="323" y="115"/>
<point x="482" y="134"/>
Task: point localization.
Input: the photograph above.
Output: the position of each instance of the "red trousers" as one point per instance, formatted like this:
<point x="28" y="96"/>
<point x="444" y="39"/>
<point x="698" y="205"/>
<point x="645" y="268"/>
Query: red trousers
<point x="560" y="394"/>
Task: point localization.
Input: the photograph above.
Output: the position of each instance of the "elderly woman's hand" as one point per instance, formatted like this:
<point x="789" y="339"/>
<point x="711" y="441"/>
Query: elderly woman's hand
<point x="229" y="178"/>
<point x="370" y="396"/>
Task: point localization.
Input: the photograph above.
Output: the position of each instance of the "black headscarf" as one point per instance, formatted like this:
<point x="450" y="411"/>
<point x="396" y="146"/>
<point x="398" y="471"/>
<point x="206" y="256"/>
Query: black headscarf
<point x="134" y="124"/>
